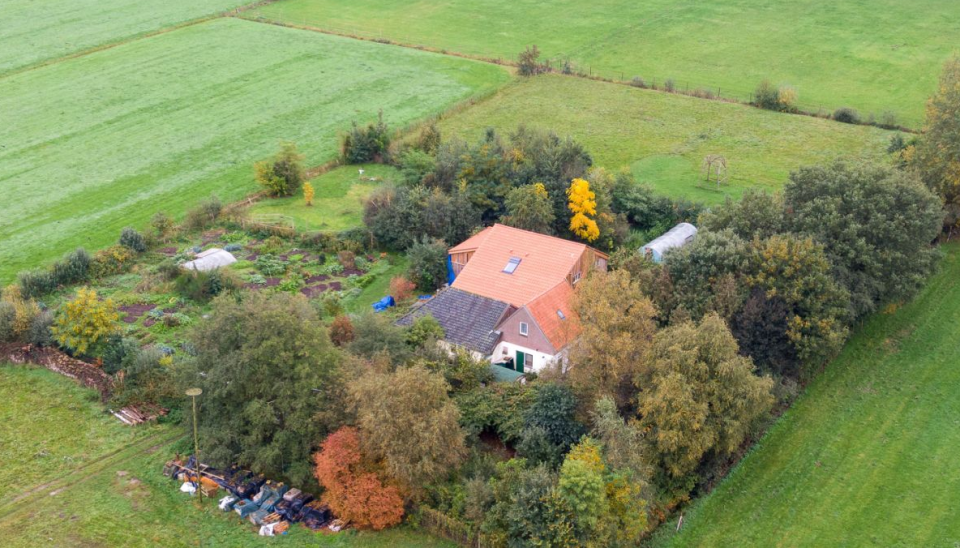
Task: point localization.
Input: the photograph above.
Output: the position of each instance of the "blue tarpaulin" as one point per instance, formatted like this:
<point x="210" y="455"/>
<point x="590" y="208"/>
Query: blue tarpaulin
<point x="450" y="275"/>
<point x="383" y="304"/>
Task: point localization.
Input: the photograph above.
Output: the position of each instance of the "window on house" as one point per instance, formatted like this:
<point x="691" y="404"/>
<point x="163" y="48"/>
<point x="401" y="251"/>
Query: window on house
<point x="560" y="313"/>
<point x="528" y="360"/>
<point x="524" y="329"/>
<point x="576" y="277"/>
<point x="512" y="265"/>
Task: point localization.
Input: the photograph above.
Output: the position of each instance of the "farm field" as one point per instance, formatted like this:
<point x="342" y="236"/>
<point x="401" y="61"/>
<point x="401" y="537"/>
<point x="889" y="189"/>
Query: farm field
<point x="873" y="55"/>
<point x="49" y="426"/>
<point x="134" y="505"/>
<point x="108" y="139"/>
<point x="868" y="455"/>
<point x="337" y="202"/>
<point x="663" y="138"/>
<point x="34" y="31"/>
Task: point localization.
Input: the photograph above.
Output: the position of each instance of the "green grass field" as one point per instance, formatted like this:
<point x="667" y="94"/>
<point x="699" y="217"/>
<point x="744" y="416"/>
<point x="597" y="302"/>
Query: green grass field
<point x="663" y="138"/>
<point x="337" y="202"/>
<point x="49" y="426"/>
<point x="874" y="55"/>
<point x="107" y="139"/>
<point x="34" y="31"/>
<point x="868" y="455"/>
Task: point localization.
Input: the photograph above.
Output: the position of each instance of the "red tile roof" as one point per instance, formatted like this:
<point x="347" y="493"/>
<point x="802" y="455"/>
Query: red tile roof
<point x="544" y="308"/>
<point x="544" y="262"/>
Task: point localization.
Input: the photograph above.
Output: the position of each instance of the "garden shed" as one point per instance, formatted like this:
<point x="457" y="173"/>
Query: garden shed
<point x="210" y="259"/>
<point x="678" y="236"/>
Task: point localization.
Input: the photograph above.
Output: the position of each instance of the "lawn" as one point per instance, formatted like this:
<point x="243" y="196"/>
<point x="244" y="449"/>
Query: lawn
<point x="132" y="504"/>
<point x="663" y="138"/>
<point x="338" y="199"/>
<point x="868" y="455"/>
<point x="34" y="31"/>
<point x="106" y="140"/>
<point x="873" y="55"/>
<point x="49" y="426"/>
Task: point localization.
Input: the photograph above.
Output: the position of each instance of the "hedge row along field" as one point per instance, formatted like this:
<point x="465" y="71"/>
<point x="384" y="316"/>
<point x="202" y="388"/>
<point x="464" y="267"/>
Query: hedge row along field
<point x="663" y="138"/>
<point x="872" y="55"/>
<point x="107" y="139"/>
<point x="867" y="456"/>
<point x="33" y="31"/>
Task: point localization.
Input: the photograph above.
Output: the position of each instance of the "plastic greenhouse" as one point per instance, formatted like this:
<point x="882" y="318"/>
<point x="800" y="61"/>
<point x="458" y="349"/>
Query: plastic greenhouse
<point x="677" y="236"/>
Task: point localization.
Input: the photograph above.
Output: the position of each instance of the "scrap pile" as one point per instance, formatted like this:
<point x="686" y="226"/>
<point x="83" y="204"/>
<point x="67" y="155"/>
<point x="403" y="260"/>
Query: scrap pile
<point x="269" y="505"/>
<point x="138" y="415"/>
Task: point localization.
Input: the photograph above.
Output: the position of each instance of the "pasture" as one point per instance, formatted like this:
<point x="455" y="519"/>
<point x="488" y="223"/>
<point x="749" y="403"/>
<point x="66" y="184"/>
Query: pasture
<point x="35" y="31"/>
<point x="872" y="55"/>
<point x="337" y="202"/>
<point x="49" y="426"/>
<point x="663" y="138"/>
<point x="108" y="139"/>
<point x="868" y="455"/>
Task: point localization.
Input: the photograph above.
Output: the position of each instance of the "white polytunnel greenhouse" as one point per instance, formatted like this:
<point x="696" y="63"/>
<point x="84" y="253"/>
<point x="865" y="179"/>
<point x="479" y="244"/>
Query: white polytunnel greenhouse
<point x="677" y="236"/>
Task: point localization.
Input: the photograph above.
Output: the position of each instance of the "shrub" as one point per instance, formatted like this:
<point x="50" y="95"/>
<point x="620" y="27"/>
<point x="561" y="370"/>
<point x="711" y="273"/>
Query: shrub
<point x="203" y="286"/>
<point x="35" y="283"/>
<point x="39" y="333"/>
<point x="347" y="259"/>
<point x="669" y="85"/>
<point x="118" y="353"/>
<point x="428" y="263"/>
<point x="291" y="285"/>
<point x="528" y="62"/>
<point x="205" y="214"/>
<point x="162" y="224"/>
<point x="112" y="260"/>
<point x="168" y="269"/>
<point x="766" y="96"/>
<point x="308" y="193"/>
<point x="846" y="115"/>
<point x="85" y="321"/>
<point x="401" y="288"/>
<point x="428" y="140"/>
<point x="341" y="330"/>
<point x="284" y="174"/>
<point x="73" y="268"/>
<point x="269" y="265"/>
<point x="638" y="82"/>
<point x="233" y="248"/>
<point x="8" y="319"/>
<point x="366" y="144"/>
<point x="133" y="240"/>
<point x="415" y="165"/>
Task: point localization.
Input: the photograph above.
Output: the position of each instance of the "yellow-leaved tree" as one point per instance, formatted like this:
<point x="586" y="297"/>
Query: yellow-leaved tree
<point x="84" y="321"/>
<point x="937" y="156"/>
<point x="308" y="193"/>
<point x="583" y="205"/>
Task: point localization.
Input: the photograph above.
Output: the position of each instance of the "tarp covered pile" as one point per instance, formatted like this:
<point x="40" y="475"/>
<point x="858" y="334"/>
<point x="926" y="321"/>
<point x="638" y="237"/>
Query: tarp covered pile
<point x="269" y="505"/>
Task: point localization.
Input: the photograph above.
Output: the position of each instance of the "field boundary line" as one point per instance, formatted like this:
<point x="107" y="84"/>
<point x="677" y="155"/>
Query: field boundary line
<point x="85" y="472"/>
<point x="135" y="37"/>
<point x="691" y="92"/>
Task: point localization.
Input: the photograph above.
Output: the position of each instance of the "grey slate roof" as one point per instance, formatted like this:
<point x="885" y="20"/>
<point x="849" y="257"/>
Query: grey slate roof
<point x="468" y="320"/>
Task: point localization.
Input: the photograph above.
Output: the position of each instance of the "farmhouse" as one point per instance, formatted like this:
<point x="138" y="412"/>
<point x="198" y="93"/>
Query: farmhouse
<point x="509" y="300"/>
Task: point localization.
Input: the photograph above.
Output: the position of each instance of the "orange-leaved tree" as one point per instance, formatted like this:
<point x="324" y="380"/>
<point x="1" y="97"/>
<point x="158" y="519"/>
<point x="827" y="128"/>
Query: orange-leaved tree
<point x="308" y="193"/>
<point x="583" y="205"/>
<point x="352" y="487"/>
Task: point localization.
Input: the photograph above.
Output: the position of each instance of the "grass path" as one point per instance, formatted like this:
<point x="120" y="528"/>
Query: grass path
<point x="873" y="55"/>
<point x="868" y="456"/>
<point x="663" y="138"/>
<point x="107" y="139"/>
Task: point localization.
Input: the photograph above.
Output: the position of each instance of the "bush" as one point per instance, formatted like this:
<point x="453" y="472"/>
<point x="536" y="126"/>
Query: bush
<point x="282" y="175"/>
<point x="846" y="115"/>
<point x="8" y="319"/>
<point x="401" y="288"/>
<point x="85" y="321"/>
<point x="669" y="85"/>
<point x="110" y="261"/>
<point x="133" y="240"/>
<point x="341" y="330"/>
<point x="638" y="82"/>
<point x="162" y="224"/>
<point x="366" y="144"/>
<point x="35" y="283"/>
<point x="888" y="120"/>
<point x="347" y="259"/>
<point x="769" y="97"/>
<point x="415" y="165"/>
<point x="39" y="333"/>
<point x="528" y="62"/>
<point x="203" y="286"/>
<point x="269" y="265"/>
<point x="428" y="140"/>
<point x="205" y="214"/>
<point x="428" y="263"/>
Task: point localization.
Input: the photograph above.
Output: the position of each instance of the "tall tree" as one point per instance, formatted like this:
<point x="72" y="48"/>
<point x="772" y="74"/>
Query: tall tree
<point x="410" y="424"/>
<point x="270" y="380"/>
<point x="617" y="323"/>
<point x="699" y="395"/>
<point x="583" y="206"/>
<point x="937" y="157"/>
<point x="529" y="208"/>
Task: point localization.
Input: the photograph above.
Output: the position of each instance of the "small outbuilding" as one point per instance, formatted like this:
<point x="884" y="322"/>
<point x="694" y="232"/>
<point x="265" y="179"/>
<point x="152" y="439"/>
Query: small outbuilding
<point x="210" y="259"/>
<point x="678" y="236"/>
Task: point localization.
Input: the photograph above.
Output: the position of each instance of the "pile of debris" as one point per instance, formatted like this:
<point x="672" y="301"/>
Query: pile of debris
<point x="133" y="415"/>
<point x="269" y="505"/>
<point x="86" y="374"/>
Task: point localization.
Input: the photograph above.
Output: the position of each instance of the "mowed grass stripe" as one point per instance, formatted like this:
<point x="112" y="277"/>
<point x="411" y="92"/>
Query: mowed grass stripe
<point x="35" y="31"/>
<point x="873" y="55"/>
<point x="105" y="140"/>
<point x="663" y="138"/>
<point x="868" y="456"/>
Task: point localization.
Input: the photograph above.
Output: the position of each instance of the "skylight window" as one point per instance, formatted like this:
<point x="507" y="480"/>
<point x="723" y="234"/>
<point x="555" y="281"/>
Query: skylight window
<point x="560" y="313"/>
<point x="512" y="265"/>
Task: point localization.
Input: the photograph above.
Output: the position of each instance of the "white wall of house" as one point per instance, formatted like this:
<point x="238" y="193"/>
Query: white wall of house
<point x="506" y="349"/>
